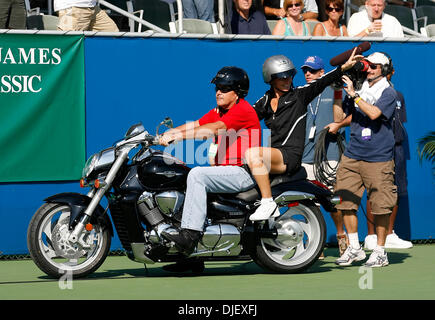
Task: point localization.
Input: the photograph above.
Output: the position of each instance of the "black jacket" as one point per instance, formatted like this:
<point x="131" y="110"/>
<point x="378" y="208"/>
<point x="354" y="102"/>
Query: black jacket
<point x="288" y="123"/>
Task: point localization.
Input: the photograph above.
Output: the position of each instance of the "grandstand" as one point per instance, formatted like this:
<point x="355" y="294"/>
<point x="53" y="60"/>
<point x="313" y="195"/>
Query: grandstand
<point x="164" y="16"/>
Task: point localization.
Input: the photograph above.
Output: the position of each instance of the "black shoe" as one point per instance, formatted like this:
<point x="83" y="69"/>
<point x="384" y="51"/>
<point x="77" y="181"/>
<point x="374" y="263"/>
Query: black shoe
<point x="185" y="241"/>
<point x="194" y="265"/>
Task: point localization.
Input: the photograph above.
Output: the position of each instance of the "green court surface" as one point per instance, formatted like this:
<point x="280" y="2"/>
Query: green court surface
<point x="410" y="275"/>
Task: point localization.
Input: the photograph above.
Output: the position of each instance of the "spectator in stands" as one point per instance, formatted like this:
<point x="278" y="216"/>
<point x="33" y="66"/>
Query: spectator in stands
<point x="324" y="112"/>
<point x="83" y="15"/>
<point x="275" y="9"/>
<point x="400" y="178"/>
<point x="12" y="14"/>
<point x="291" y="25"/>
<point x="246" y="20"/>
<point x="409" y="4"/>
<point x="198" y="9"/>
<point x="332" y="27"/>
<point x="374" y="22"/>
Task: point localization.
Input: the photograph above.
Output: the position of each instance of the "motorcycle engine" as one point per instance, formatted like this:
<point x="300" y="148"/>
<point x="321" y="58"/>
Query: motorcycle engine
<point x="219" y="240"/>
<point x="169" y="202"/>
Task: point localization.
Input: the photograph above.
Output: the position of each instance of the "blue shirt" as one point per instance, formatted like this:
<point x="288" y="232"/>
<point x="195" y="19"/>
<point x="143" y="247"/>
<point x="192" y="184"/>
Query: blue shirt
<point x="379" y="146"/>
<point x="256" y="23"/>
<point x="319" y="114"/>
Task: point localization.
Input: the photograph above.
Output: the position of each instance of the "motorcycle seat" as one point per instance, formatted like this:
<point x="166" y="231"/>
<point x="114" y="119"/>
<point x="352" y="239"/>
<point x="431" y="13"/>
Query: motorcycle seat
<point x="254" y="194"/>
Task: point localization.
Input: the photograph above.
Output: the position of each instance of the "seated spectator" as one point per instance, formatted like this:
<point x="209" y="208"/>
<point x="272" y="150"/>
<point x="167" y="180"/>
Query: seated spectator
<point x="374" y="22"/>
<point x="274" y="9"/>
<point x="332" y="27"/>
<point x="291" y="25"/>
<point x="247" y="20"/>
<point x="198" y="9"/>
<point x="12" y="14"/>
<point x="76" y="15"/>
<point x="409" y="4"/>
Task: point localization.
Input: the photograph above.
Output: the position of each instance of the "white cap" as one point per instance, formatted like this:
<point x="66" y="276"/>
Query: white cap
<point x="378" y="58"/>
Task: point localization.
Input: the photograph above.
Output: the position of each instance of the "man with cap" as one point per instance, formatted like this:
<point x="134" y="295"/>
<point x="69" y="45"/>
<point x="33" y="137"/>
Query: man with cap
<point x="324" y="112"/>
<point x="368" y="160"/>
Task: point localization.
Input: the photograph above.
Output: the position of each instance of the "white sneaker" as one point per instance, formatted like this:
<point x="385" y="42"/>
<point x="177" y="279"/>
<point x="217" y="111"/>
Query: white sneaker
<point x="394" y="242"/>
<point x="351" y="255"/>
<point x="377" y="259"/>
<point x="265" y="211"/>
<point x="370" y="242"/>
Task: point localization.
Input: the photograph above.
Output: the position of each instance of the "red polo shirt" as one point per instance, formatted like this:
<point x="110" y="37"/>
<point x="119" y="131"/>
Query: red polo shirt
<point x="243" y="132"/>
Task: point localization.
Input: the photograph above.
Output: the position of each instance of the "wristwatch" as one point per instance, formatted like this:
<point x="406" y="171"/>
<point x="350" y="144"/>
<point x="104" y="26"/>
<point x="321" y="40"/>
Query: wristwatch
<point x="356" y="95"/>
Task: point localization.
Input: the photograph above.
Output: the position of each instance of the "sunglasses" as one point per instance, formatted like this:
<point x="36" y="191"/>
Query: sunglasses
<point x="291" y="5"/>
<point x="330" y="9"/>
<point x="312" y="71"/>
<point x="223" y="89"/>
<point x="373" y="66"/>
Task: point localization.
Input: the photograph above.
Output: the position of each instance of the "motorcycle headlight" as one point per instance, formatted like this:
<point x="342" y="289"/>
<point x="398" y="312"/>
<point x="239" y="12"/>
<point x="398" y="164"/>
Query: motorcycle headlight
<point x="99" y="161"/>
<point x="90" y="165"/>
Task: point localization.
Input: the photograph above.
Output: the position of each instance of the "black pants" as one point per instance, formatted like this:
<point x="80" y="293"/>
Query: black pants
<point x="12" y="14"/>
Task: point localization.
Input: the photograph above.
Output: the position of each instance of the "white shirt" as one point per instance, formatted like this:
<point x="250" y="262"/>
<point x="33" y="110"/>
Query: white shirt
<point x="64" y="4"/>
<point x="359" y="21"/>
<point x="310" y="6"/>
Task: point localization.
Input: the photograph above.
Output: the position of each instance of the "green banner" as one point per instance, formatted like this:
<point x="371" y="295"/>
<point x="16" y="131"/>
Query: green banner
<point x="42" y="107"/>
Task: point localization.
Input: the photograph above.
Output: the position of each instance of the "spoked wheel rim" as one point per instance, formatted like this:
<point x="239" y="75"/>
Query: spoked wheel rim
<point x="58" y="251"/>
<point x="299" y="236"/>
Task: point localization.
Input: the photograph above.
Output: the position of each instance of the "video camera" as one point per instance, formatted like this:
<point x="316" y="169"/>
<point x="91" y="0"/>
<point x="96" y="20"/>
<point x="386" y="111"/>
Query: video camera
<point x="358" y="73"/>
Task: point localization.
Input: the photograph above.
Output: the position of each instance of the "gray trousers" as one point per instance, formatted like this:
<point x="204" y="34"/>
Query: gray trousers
<point x="199" y="9"/>
<point x="220" y="179"/>
<point x="12" y="14"/>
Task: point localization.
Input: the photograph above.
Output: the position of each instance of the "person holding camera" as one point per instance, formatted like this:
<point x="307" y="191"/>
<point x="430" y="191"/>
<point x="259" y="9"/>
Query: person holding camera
<point x="368" y="160"/>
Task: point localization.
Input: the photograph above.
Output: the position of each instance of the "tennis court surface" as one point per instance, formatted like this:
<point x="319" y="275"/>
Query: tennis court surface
<point x="410" y="275"/>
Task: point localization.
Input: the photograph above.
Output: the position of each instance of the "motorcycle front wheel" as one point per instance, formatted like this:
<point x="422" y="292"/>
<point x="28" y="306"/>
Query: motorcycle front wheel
<point x="301" y="236"/>
<point x="47" y="241"/>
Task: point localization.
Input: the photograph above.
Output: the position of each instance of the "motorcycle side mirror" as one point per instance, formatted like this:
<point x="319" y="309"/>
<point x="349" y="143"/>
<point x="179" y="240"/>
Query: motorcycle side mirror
<point x="167" y="123"/>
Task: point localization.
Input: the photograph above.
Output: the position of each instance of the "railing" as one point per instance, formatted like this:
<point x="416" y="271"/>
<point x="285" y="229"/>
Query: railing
<point x="132" y="16"/>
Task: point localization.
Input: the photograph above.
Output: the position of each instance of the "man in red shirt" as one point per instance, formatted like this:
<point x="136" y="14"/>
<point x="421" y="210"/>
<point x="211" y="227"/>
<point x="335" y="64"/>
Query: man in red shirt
<point x="236" y="128"/>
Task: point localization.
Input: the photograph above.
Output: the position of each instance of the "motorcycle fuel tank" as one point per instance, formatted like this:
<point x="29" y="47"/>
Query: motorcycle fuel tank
<point x="160" y="171"/>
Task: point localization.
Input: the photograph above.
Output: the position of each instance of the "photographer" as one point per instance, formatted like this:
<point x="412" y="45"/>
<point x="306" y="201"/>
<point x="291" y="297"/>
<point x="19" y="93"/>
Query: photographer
<point x="368" y="159"/>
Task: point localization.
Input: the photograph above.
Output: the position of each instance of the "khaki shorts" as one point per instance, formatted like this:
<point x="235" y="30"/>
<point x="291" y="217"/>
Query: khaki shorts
<point x="85" y="19"/>
<point x="353" y="176"/>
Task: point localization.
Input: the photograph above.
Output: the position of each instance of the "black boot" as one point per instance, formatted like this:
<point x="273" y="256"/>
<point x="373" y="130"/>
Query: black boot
<point x="185" y="241"/>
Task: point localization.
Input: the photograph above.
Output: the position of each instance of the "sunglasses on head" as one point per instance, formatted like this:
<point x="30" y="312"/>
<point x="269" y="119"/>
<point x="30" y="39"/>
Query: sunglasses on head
<point x="330" y="9"/>
<point x="294" y="5"/>
<point x="223" y="89"/>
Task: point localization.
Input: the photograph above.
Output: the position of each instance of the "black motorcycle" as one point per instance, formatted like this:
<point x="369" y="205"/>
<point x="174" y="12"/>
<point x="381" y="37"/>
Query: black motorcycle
<point x="145" y="189"/>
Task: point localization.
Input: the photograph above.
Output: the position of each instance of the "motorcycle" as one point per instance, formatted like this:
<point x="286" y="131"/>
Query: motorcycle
<point x="145" y="190"/>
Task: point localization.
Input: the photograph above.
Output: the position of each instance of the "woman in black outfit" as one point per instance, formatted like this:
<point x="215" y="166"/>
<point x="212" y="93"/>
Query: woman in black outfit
<point x="284" y="110"/>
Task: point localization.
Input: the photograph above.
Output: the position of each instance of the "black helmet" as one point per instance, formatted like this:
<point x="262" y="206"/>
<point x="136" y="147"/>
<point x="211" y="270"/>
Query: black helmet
<point x="234" y="77"/>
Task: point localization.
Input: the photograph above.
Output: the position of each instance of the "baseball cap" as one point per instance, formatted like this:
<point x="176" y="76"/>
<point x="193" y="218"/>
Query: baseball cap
<point x="313" y="62"/>
<point x="378" y="58"/>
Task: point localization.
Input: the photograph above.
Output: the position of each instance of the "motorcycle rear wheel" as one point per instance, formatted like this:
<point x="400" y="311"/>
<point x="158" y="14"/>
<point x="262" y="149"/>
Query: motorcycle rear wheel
<point x="300" y="241"/>
<point x="47" y="241"/>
